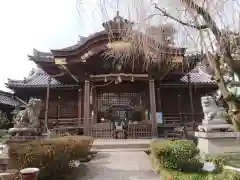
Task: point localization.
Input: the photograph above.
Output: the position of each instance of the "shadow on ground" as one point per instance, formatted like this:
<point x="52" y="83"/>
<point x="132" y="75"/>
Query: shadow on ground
<point x="95" y="172"/>
<point x="101" y="168"/>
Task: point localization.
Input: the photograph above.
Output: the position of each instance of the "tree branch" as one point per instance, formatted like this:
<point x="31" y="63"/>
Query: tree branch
<point x="163" y="11"/>
<point x="222" y="40"/>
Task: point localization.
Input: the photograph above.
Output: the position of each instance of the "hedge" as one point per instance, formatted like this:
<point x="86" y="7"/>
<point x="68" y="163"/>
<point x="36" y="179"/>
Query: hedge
<point x="53" y="156"/>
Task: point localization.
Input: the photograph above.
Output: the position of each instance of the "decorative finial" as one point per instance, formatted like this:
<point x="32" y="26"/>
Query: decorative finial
<point x="118" y="23"/>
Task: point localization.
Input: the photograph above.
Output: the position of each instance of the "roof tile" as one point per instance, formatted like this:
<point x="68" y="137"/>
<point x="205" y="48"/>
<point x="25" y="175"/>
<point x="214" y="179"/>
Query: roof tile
<point x="38" y="79"/>
<point x="8" y="99"/>
<point x="198" y="76"/>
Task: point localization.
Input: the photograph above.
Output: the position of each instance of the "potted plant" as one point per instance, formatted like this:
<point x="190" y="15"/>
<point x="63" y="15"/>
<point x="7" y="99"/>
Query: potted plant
<point x="29" y="173"/>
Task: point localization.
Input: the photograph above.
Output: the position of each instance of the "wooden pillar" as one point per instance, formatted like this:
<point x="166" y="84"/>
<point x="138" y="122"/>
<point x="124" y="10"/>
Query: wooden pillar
<point x="47" y="105"/>
<point x="191" y="101"/>
<point x="159" y="99"/>
<point x="79" y="106"/>
<point x="153" y="107"/>
<point x="86" y="108"/>
<point x="94" y="96"/>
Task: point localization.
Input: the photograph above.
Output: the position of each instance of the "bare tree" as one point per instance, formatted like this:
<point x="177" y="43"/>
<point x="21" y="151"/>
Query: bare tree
<point x="223" y="59"/>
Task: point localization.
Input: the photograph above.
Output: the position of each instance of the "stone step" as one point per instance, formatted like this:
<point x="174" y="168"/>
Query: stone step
<point x="120" y="150"/>
<point x="121" y="144"/>
<point x="3" y="162"/>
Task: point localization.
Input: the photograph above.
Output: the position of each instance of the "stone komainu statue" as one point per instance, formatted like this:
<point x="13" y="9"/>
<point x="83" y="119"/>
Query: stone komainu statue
<point x="27" y="120"/>
<point x="29" y="116"/>
<point x="215" y="117"/>
<point x="211" y="110"/>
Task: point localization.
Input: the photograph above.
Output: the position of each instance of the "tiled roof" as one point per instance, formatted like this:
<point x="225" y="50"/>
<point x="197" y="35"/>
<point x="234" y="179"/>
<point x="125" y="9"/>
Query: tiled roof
<point x="38" y="79"/>
<point x="8" y="99"/>
<point x="198" y="76"/>
<point x="84" y="40"/>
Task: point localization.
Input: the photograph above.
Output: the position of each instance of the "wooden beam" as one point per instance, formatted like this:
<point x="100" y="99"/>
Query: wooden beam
<point x="200" y="85"/>
<point x="124" y="77"/>
<point x="153" y="108"/>
<point x="67" y="70"/>
<point x="119" y="74"/>
<point x="86" y="108"/>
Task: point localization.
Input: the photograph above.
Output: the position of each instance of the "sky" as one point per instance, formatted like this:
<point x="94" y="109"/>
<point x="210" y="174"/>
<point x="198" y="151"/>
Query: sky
<point x="39" y="24"/>
<point x="48" y="24"/>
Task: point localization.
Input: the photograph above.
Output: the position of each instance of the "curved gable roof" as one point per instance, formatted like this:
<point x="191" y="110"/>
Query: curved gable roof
<point x="7" y="98"/>
<point x="113" y="29"/>
<point x="102" y="37"/>
<point x="37" y="79"/>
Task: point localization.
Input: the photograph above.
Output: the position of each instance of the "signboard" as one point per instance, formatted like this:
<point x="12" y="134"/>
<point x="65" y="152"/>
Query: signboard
<point x="177" y="59"/>
<point x="60" y="61"/>
<point x="119" y="128"/>
<point x="159" y="117"/>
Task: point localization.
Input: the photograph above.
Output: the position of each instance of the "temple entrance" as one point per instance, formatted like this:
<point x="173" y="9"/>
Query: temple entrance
<point x="119" y="108"/>
<point x="120" y="115"/>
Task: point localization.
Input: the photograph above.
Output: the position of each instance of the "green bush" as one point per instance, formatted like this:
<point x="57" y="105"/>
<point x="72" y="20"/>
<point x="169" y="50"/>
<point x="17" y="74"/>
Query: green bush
<point x="161" y="150"/>
<point x="218" y="161"/>
<point x="5" y="122"/>
<point x="3" y="133"/>
<point x="178" y="175"/>
<point x="53" y="156"/>
<point x="177" y="154"/>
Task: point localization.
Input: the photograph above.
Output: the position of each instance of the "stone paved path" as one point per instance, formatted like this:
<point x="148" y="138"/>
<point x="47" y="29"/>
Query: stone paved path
<point x="120" y="166"/>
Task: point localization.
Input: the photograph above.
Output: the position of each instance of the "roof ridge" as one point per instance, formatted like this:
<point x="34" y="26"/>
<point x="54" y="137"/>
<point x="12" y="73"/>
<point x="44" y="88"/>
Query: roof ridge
<point x="41" y="53"/>
<point x="38" y="78"/>
<point x="33" y="74"/>
<point x="5" y="93"/>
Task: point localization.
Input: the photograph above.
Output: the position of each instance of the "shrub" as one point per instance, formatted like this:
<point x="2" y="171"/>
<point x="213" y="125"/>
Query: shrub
<point x="3" y="133"/>
<point x="53" y="156"/>
<point x="193" y="138"/>
<point x="218" y="161"/>
<point x="5" y="123"/>
<point x="177" y="154"/>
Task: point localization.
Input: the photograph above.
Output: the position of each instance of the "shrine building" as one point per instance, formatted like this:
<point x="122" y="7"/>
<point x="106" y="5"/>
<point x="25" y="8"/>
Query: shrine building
<point x="87" y="93"/>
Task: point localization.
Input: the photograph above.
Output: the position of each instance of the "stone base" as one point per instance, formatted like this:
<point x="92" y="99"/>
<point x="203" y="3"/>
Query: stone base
<point x="215" y="121"/>
<point x="212" y="143"/>
<point x="3" y="162"/>
<point x="215" y="127"/>
<point x="26" y="138"/>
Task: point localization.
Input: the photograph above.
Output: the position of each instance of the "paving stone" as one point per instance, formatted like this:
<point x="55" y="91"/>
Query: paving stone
<point x="8" y="176"/>
<point x="119" y="166"/>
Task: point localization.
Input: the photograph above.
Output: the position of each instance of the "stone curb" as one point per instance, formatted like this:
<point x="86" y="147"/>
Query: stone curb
<point x="119" y="150"/>
<point x="232" y="168"/>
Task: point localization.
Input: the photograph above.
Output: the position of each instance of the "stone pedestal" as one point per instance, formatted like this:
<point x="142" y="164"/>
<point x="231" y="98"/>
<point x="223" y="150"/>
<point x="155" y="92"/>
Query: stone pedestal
<point x="218" y="142"/>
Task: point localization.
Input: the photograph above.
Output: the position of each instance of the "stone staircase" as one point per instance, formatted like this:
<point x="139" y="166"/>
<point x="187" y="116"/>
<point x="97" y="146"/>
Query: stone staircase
<point x="121" y="144"/>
